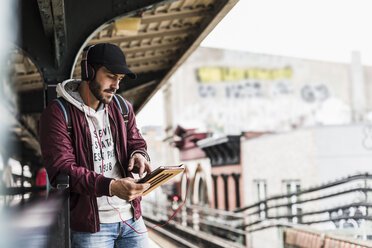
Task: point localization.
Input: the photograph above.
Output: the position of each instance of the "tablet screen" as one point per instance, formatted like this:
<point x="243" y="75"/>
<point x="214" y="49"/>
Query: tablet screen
<point x="159" y="176"/>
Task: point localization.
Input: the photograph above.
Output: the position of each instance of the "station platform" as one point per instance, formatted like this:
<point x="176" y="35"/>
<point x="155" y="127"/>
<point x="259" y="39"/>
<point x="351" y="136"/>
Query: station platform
<point x="158" y="241"/>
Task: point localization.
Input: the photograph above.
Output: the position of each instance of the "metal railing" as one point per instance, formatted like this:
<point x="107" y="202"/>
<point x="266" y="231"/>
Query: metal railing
<point x="61" y="236"/>
<point x="340" y="205"/>
<point x="307" y="238"/>
<point x="37" y="221"/>
<point x="197" y="219"/>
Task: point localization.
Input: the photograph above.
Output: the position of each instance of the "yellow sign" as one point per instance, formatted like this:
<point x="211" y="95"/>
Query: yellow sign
<point x="225" y="74"/>
<point x="128" y="26"/>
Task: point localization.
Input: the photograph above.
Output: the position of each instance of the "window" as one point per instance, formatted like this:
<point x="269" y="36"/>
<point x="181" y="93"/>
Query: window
<point x="261" y="196"/>
<point x="292" y="186"/>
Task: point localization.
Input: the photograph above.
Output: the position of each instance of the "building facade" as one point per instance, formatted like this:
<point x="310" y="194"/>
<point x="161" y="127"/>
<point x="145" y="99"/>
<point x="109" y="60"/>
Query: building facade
<point x="275" y="125"/>
<point x="230" y="92"/>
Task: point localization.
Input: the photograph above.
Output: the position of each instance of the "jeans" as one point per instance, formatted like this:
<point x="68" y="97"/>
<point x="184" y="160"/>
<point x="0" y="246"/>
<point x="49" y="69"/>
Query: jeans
<point x="112" y="235"/>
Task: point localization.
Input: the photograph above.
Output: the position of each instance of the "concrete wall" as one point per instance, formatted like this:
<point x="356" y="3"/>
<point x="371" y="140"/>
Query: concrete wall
<point x="280" y="93"/>
<point x="343" y="150"/>
<point x="310" y="156"/>
<point x="279" y="157"/>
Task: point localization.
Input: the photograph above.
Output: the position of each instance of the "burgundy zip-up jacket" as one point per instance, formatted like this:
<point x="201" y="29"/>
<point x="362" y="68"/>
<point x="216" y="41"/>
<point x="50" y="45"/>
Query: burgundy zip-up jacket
<point x="73" y="156"/>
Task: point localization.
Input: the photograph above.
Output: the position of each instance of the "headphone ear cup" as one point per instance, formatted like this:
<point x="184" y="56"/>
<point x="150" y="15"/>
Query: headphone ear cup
<point x="83" y="71"/>
<point x="87" y="71"/>
<point x="90" y="72"/>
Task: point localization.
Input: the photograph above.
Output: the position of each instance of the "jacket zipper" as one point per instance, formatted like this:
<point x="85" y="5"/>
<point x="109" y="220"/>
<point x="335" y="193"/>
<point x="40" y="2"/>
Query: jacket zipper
<point x="117" y="150"/>
<point x="95" y="215"/>
<point x="121" y="166"/>
<point x="89" y="164"/>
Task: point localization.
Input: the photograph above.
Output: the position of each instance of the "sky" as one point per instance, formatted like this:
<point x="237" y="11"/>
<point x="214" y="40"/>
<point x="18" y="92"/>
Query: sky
<point x="327" y="30"/>
<point x="318" y="29"/>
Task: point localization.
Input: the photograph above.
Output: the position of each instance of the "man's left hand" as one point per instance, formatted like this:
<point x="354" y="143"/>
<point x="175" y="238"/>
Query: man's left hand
<point x="139" y="164"/>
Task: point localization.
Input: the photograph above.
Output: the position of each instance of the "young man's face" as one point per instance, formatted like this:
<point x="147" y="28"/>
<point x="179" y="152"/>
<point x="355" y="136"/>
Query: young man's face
<point x="105" y="84"/>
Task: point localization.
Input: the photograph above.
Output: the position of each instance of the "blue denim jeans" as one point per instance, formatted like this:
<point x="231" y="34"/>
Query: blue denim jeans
<point x="113" y="235"/>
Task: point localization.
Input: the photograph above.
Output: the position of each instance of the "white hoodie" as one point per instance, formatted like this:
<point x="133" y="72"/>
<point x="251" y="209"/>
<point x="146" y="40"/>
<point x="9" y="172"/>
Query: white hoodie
<point x="99" y="127"/>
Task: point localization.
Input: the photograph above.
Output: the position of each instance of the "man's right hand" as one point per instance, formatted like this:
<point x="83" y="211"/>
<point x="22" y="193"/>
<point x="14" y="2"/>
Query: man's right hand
<point x="127" y="188"/>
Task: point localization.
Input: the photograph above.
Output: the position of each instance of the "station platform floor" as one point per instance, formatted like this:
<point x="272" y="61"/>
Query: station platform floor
<point x="158" y="241"/>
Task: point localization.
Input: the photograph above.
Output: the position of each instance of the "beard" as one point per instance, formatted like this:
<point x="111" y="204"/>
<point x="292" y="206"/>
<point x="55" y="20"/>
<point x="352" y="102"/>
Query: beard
<point x="97" y="92"/>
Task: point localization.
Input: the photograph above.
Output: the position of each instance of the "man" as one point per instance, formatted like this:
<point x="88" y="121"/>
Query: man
<point x="100" y="153"/>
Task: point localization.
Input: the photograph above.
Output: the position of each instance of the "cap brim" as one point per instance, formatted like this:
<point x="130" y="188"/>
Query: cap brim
<point x="116" y="69"/>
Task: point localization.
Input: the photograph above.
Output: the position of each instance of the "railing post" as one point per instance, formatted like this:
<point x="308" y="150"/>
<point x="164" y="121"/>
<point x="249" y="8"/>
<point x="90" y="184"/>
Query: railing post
<point x="184" y="216"/>
<point x="263" y="210"/>
<point x="195" y="218"/>
<point x="62" y="237"/>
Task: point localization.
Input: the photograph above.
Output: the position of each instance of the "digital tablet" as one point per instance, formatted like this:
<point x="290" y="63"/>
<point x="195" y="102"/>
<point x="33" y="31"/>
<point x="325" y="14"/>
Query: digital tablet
<point x="159" y="176"/>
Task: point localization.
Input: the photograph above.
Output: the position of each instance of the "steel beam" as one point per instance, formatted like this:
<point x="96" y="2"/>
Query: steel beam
<point x="152" y="68"/>
<point x="31" y="101"/>
<point x="26" y="78"/>
<point x="142" y="78"/>
<point x="129" y="51"/>
<point x="162" y="45"/>
<point x="74" y="21"/>
<point x="46" y="16"/>
<point x="141" y="87"/>
<point x="36" y="85"/>
<point x="149" y="35"/>
<point x="59" y="29"/>
<point x="175" y="15"/>
<point x="206" y="26"/>
<point x="150" y="59"/>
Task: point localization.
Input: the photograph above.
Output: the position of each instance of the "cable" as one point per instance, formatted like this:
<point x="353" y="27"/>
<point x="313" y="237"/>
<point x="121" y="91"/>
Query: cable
<point x="175" y="212"/>
<point x="95" y="129"/>
<point x="102" y="170"/>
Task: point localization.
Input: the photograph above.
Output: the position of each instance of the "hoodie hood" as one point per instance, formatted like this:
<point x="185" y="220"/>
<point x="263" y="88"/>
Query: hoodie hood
<point x="68" y="89"/>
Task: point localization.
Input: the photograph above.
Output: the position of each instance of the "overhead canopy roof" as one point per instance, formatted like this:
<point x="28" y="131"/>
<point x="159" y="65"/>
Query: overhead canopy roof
<point x="156" y="36"/>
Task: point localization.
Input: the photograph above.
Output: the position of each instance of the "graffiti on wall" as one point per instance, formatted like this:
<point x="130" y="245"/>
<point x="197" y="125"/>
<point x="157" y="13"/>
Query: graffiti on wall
<point x="254" y="83"/>
<point x="258" y="99"/>
<point x="244" y="90"/>
<point x="281" y="88"/>
<point x="348" y="218"/>
<point x="206" y="91"/>
<point x="242" y="83"/>
<point x="314" y="93"/>
<point x="247" y="89"/>
<point x="228" y="74"/>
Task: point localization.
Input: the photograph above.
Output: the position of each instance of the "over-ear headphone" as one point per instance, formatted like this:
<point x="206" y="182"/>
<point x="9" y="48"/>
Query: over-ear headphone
<point x="87" y="71"/>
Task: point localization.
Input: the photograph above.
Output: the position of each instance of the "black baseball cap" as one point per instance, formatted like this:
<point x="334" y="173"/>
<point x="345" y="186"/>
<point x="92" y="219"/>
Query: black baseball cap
<point x="110" y="56"/>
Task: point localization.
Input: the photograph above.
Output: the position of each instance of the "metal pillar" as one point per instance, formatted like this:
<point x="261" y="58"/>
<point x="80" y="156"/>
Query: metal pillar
<point x="215" y="190"/>
<point x="225" y="178"/>
<point x="236" y="177"/>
